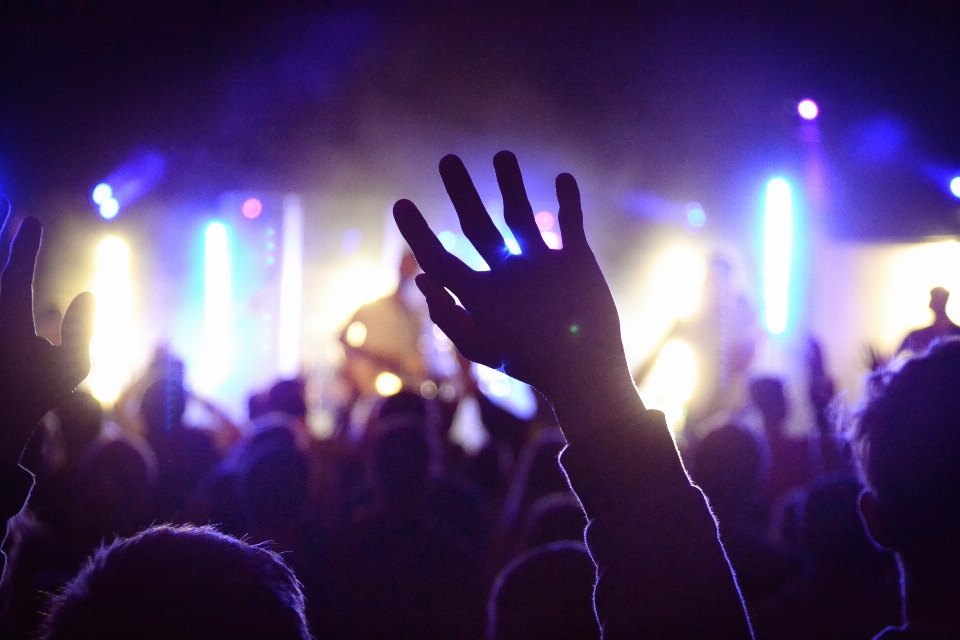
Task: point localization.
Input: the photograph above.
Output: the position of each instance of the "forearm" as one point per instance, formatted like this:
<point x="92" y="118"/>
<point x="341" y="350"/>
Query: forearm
<point x="662" y="571"/>
<point x="15" y="481"/>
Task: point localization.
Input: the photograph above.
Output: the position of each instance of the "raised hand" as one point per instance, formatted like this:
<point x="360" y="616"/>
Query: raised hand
<point x="35" y="375"/>
<point x="545" y="316"/>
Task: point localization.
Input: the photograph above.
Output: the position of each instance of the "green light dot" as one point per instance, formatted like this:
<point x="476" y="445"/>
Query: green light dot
<point x="574" y="329"/>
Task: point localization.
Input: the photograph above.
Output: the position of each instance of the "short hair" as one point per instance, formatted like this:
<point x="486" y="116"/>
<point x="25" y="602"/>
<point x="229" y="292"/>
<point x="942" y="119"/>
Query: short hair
<point x="908" y="443"/>
<point x="545" y="593"/>
<point x="180" y="582"/>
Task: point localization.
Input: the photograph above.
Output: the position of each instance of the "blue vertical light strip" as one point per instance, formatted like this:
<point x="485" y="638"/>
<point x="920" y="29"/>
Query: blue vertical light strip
<point x="217" y="309"/>
<point x="777" y="254"/>
<point x="291" y="289"/>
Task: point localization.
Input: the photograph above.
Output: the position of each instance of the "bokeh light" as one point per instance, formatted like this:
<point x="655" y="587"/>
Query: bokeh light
<point x="808" y="109"/>
<point x="955" y="186"/>
<point x="101" y="193"/>
<point x="696" y="217"/>
<point x="356" y="334"/>
<point x="545" y="220"/>
<point x="251" y="208"/>
<point x="109" y="208"/>
<point x="388" y="384"/>
<point x="551" y="239"/>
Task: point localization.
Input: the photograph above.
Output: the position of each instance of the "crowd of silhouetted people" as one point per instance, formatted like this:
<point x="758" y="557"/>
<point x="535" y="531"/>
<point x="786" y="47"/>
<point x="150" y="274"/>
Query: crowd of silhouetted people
<point x="579" y="522"/>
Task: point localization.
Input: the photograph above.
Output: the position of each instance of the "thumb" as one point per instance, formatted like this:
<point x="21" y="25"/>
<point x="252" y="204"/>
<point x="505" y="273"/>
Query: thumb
<point x="77" y="331"/>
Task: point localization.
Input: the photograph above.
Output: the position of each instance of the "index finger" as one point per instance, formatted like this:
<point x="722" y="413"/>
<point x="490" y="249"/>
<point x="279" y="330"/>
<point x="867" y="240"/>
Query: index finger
<point x="474" y="219"/>
<point x="432" y="256"/>
<point x="16" y="282"/>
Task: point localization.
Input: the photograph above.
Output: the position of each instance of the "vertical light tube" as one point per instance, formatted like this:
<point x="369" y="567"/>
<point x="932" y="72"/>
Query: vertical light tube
<point x="113" y="345"/>
<point x="291" y="289"/>
<point x="777" y="254"/>
<point x="217" y="310"/>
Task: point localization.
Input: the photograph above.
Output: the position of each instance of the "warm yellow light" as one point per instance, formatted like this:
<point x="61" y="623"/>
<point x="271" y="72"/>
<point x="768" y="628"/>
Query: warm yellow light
<point x="388" y="384"/>
<point x="678" y="284"/>
<point x="913" y="271"/>
<point x="356" y="334"/>
<point x="114" y="345"/>
<point x="672" y="381"/>
<point x="346" y="288"/>
<point x="671" y="289"/>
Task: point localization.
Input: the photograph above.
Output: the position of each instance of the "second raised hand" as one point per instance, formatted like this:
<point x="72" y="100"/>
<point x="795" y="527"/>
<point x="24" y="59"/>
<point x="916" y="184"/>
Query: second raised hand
<point x="545" y="316"/>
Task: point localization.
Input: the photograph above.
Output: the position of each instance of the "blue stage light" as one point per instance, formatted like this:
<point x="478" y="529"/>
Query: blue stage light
<point x="955" y="186"/>
<point x="696" y="217"/>
<point x="777" y="254"/>
<point x="101" y="193"/>
<point x="109" y="208"/>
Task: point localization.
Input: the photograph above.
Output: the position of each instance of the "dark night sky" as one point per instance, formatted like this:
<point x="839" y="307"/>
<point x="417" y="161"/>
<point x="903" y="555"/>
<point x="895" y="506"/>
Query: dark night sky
<point x="677" y="98"/>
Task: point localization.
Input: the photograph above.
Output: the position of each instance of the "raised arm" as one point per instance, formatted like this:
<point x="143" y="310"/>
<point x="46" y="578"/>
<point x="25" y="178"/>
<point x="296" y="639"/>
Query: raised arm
<point x="547" y="317"/>
<point x="35" y="376"/>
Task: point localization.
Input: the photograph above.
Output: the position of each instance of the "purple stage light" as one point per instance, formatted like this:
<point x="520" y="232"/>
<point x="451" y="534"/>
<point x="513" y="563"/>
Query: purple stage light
<point x="808" y="109"/>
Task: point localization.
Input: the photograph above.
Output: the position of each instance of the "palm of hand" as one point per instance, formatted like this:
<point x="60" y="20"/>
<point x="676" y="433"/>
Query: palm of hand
<point x="545" y="317"/>
<point x="35" y="375"/>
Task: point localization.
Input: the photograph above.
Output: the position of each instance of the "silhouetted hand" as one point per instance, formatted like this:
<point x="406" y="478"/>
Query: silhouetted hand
<point x="821" y="386"/>
<point x="35" y="375"/>
<point x="545" y="316"/>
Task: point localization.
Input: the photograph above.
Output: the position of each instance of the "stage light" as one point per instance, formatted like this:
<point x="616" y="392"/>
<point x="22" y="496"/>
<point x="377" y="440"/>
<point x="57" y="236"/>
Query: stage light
<point x="291" y="289"/>
<point x="777" y="254"/>
<point x="217" y="310"/>
<point x="388" y="384"/>
<point x="679" y="277"/>
<point x="912" y="271"/>
<point x="545" y="220"/>
<point x="672" y="381"/>
<point x="101" y="193"/>
<point x="505" y="392"/>
<point x="696" y="217"/>
<point x="114" y="344"/>
<point x="428" y="389"/>
<point x="955" y="186"/>
<point x="808" y="109"/>
<point x="356" y="334"/>
<point x="251" y="208"/>
<point x="448" y="239"/>
<point x="551" y="239"/>
<point x="109" y="208"/>
<point x="512" y="245"/>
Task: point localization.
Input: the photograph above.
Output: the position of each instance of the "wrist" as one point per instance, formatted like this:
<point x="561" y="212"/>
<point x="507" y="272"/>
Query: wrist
<point x="592" y="401"/>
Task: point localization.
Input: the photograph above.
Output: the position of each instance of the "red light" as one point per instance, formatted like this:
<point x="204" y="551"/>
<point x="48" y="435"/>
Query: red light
<point x="251" y="208"/>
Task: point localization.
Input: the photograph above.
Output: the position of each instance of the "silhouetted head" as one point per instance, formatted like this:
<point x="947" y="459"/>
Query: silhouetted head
<point x="180" y="582"/>
<point x="831" y="530"/>
<point x="163" y="405"/>
<point x="81" y="419"/>
<point x="770" y="398"/>
<point x="289" y="397"/>
<point x="908" y="437"/>
<point x="401" y="456"/>
<point x="256" y="405"/>
<point x="545" y="593"/>
<point x="116" y="488"/>
<point x="553" y="518"/>
<point x="274" y="482"/>
<point x="938" y="300"/>
<point x="729" y="466"/>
